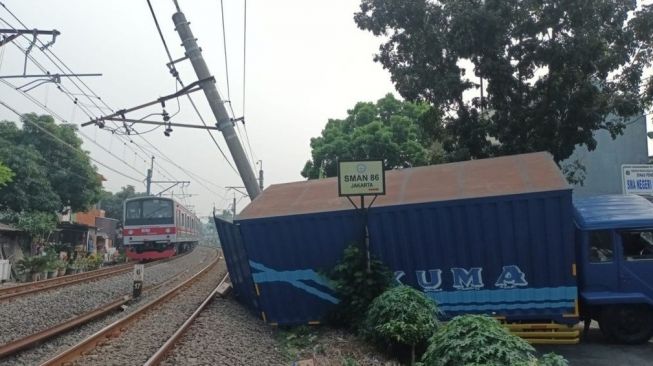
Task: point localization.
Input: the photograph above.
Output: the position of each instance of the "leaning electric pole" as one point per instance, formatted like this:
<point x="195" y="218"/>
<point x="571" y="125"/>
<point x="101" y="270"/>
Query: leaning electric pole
<point x="224" y="122"/>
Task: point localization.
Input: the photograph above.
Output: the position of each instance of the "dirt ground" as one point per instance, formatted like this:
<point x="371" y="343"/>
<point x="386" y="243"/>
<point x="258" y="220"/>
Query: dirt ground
<point x="595" y="350"/>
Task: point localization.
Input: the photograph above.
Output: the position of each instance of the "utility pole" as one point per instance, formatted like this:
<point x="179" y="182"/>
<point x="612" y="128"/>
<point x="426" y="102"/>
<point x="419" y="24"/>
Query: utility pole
<point x="260" y="174"/>
<point x="224" y="122"/>
<point x="234" y="207"/>
<point x="235" y="189"/>
<point x="149" y="177"/>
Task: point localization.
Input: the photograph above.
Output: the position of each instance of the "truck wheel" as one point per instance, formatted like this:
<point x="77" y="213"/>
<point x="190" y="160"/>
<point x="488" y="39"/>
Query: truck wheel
<point x="629" y="324"/>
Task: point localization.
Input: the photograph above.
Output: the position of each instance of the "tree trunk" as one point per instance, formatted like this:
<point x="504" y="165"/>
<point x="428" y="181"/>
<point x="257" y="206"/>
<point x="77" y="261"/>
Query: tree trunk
<point x="412" y="354"/>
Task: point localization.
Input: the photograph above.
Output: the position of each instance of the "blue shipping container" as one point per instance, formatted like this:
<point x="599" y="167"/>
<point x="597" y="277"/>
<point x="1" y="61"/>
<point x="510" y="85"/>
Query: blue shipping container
<point x="493" y="236"/>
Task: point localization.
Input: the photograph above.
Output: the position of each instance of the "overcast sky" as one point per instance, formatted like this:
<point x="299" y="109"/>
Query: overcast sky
<point x="306" y="62"/>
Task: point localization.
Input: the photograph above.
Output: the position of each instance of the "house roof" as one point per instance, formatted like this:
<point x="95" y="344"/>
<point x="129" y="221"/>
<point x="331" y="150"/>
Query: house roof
<point x="516" y="174"/>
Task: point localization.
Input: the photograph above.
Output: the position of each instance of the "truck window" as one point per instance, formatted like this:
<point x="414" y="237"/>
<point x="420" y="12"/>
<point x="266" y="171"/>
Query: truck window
<point x="600" y="242"/>
<point x="637" y="245"/>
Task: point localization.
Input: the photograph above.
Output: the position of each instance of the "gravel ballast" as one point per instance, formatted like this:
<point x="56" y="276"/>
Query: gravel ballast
<point x="24" y="316"/>
<point x="144" y="337"/>
<point x="225" y="333"/>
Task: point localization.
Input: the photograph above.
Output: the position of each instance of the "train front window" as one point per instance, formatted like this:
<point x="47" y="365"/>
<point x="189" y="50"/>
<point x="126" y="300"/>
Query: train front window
<point x="133" y="210"/>
<point x="159" y="209"/>
<point x="149" y="212"/>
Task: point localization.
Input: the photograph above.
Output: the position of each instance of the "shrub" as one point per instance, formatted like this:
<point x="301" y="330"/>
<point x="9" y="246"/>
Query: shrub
<point x="355" y="286"/>
<point x="551" y="359"/>
<point x="33" y="264"/>
<point x="401" y="315"/>
<point x="476" y="340"/>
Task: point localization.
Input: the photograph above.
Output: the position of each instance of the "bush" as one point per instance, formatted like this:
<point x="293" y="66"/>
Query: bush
<point x="31" y="265"/>
<point x="401" y="315"/>
<point x="476" y="340"/>
<point x="551" y="359"/>
<point x="355" y="286"/>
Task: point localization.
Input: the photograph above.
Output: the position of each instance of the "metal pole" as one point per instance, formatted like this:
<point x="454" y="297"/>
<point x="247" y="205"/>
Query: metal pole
<point x="149" y="177"/>
<point x="260" y="175"/>
<point x="234" y="207"/>
<point x="225" y="124"/>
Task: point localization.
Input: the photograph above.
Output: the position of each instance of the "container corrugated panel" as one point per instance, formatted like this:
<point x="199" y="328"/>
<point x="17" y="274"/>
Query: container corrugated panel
<point x="289" y="256"/>
<point x="500" y="227"/>
<point x="509" y="256"/>
<point x="237" y="263"/>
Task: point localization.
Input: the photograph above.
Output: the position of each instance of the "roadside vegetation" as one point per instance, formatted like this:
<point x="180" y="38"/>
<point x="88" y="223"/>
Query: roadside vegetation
<point x="389" y="322"/>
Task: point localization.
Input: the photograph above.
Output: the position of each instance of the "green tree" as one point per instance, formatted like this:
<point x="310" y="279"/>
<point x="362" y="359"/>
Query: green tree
<point x="5" y="175"/>
<point x="552" y="72"/>
<point x="38" y="224"/>
<point x="47" y="175"/>
<point x="388" y="129"/>
<point x="112" y="203"/>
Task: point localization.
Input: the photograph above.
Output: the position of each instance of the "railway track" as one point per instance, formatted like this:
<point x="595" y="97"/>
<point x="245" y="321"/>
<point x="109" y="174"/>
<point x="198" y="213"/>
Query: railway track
<point x="68" y="330"/>
<point x="53" y="283"/>
<point x="118" y="327"/>
<point x="169" y="345"/>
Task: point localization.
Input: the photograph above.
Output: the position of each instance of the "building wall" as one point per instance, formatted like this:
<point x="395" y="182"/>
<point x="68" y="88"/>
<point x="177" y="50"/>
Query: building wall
<point x="88" y="217"/>
<point x="603" y="165"/>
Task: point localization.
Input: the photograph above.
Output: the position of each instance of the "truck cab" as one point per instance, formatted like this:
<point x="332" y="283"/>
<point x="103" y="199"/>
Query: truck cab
<point x="614" y="247"/>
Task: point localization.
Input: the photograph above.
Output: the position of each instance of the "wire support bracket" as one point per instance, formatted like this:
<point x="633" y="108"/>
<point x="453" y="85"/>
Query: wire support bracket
<point x="188" y="89"/>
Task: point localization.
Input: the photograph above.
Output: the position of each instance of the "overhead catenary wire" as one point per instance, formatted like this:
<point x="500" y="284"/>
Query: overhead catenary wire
<point x="93" y="95"/>
<point x="64" y="143"/>
<point x="251" y="152"/>
<point x="81" y="106"/>
<point x="178" y="78"/>
<point x="61" y="119"/>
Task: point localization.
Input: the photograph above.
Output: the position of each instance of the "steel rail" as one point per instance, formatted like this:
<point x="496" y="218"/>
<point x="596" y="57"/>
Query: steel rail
<point x="18" y="345"/>
<point x="53" y="283"/>
<point x="116" y="328"/>
<point x="161" y="353"/>
<point x="31" y="340"/>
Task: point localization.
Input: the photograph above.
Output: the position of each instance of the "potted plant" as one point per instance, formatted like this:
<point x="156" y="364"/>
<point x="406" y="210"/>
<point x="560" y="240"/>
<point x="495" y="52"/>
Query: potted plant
<point x="51" y="267"/>
<point x="32" y="267"/>
<point x="61" y="267"/>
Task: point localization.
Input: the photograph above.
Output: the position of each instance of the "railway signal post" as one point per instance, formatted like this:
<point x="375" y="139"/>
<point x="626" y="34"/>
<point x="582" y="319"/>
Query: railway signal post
<point x="137" y="288"/>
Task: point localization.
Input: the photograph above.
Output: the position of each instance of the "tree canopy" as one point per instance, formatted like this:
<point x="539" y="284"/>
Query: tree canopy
<point x="5" y="175"/>
<point x="47" y="176"/>
<point x="388" y="130"/>
<point x="112" y="203"/>
<point x="550" y="72"/>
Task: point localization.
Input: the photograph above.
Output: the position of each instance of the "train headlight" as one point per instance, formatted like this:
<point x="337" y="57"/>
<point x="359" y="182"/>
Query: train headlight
<point x="130" y="232"/>
<point x="167" y="230"/>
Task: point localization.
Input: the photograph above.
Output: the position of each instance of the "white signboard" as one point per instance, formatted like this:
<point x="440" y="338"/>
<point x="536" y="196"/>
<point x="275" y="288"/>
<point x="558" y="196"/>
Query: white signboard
<point x="361" y="178"/>
<point x="637" y="179"/>
<point x="139" y="270"/>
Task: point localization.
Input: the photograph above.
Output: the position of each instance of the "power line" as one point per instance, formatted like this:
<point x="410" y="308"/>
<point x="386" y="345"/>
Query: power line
<point x="61" y="88"/>
<point x="94" y="95"/>
<point x="226" y="64"/>
<point x="25" y="120"/>
<point x="251" y="152"/>
<point x="57" y="116"/>
<point x="178" y="78"/>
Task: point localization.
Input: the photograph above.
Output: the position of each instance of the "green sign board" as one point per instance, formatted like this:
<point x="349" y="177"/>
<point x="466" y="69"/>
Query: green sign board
<point x="361" y="178"/>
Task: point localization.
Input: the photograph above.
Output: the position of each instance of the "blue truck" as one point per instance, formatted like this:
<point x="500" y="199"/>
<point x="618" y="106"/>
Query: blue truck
<point x="614" y="250"/>
<point x="501" y="236"/>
